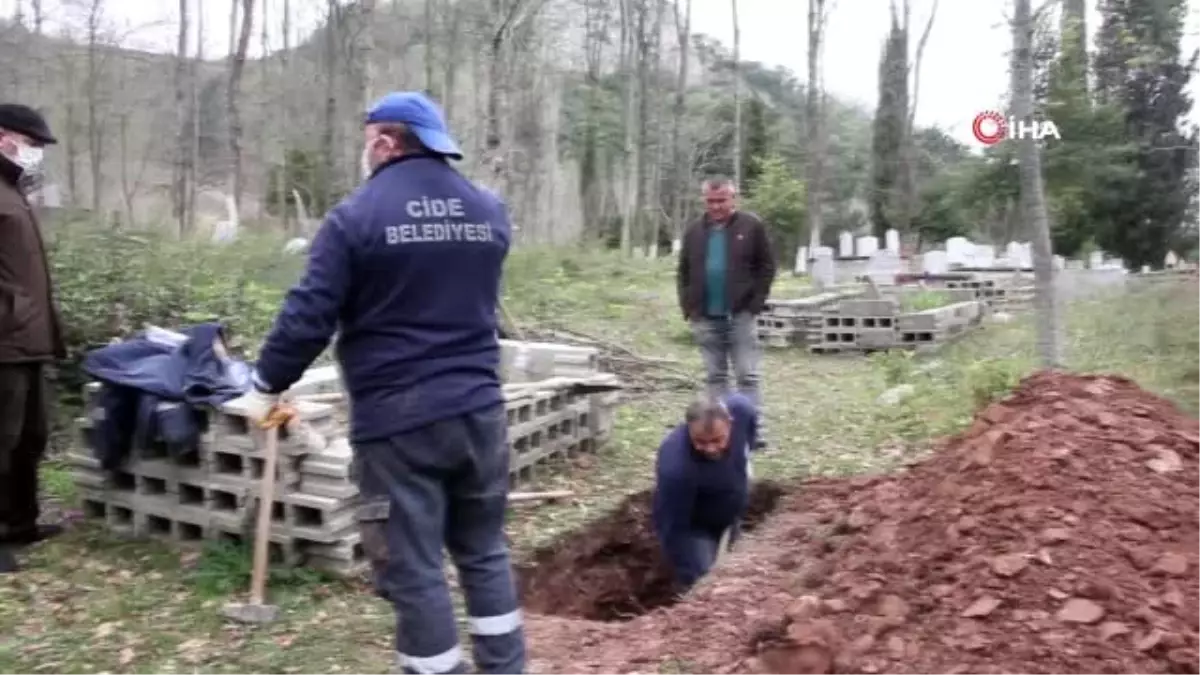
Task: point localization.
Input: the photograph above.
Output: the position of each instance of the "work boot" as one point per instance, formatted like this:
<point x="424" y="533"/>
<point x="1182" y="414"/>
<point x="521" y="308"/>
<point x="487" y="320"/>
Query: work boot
<point x="8" y="561"/>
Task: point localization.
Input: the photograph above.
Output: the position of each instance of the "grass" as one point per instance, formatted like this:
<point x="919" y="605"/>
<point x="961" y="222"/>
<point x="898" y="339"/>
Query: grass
<point x="144" y="607"/>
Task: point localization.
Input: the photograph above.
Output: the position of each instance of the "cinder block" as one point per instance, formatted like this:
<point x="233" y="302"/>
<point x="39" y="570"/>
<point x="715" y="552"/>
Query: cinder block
<point x="868" y="307"/>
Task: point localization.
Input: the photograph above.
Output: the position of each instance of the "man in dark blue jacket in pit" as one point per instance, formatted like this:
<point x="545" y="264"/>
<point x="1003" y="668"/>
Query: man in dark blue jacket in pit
<point x="703" y="483"/>
<point x="407" y="271"/>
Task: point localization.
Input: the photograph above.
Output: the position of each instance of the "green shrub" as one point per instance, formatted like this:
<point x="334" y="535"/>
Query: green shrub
<point x="110" y="284"/>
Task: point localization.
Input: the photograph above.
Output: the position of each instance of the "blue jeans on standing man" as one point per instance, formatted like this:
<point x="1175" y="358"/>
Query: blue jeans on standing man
<point x="725" y="340"/>
<point x="445" y="483"/>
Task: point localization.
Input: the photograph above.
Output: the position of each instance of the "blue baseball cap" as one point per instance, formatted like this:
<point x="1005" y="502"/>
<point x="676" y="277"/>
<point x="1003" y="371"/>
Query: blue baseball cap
<point x="421" y="115"/>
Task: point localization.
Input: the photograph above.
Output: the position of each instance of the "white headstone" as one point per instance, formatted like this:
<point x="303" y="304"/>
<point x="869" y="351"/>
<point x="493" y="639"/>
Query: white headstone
<point x="845" y="245"/>
<point x="1025" y="255"/>
<point x="822" y="269"/>
<point x="1171" y="261"/>
<point x="935" y="262"/>
<point x="867" y="246"/>
<point x="892" y="240"/>
<point x="1060" y="262"/>
<point x="983" y="256"/>
<point x="801" y="260"/>
<point x="883" y="267"/>
<point x="959" y="251"/>
<point x="676" y="244"/>
<point x="1096" y="259"/>
<point x="1145" y="269"/>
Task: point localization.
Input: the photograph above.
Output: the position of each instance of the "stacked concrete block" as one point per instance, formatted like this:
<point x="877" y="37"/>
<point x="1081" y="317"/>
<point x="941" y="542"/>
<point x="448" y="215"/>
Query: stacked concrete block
<point x="210" y="492"/>
<point x="785" y="323"/>
<point x="534" y="361"/>
<point x="859" y="324"/>
<point x="938" y="325"/>
<point x="555" y="423"/>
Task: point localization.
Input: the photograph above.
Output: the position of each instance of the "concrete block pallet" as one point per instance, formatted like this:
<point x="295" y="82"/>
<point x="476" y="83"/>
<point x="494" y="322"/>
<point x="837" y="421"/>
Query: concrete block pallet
<point x="785" y="323"/>
<point x="210" y="493"/>
<point x="871" y="324"/>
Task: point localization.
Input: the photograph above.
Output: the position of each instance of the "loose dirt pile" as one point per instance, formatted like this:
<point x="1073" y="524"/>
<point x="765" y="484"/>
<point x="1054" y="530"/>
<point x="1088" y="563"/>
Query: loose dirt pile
<point x="1058" y="534"/>
<point x="613" y="570"/>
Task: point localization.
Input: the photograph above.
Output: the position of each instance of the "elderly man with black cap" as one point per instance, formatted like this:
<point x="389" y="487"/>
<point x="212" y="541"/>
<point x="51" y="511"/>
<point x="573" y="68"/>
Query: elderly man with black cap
<point x="407" y="271"/>
<point x="30" y="336"/>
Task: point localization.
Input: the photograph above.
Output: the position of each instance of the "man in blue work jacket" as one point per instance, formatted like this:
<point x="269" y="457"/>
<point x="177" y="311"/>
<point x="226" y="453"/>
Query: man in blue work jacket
<point x="702" y="483"/>
<point x="407" y="270"/>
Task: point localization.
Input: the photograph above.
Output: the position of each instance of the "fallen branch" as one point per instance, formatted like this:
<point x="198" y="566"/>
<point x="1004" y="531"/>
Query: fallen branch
<point x="539" y="496"/>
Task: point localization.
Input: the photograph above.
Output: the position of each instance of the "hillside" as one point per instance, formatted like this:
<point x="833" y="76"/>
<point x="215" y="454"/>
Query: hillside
<point x="116" y="118"/>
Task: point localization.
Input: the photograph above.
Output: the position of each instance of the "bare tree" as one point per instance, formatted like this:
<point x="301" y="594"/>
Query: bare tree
<point x="183" y="158"/>
<point x="1033" y="197"/>
<point x="194" y="97"/>
<point x="679" y="161"/>
<point x="908" y="144"/>
<point x="814" y="121"/>
<point x="233" y="95"/>
<point x="94" y="89"/>
<point x="737" y="98"/>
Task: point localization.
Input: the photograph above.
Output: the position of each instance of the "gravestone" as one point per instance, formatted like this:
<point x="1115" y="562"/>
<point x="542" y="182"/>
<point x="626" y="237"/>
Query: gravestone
<point x="983" y="256"/>
<point x="823" y="271"/>
<point x="1171" y="261"/>
<point x="1059" y="262"/>
<point x="801" y="260"/>
<point x="676" y="244"/>
<point x="1096" y="260"/>
<point x="867" y="246"/>
<point x="959" y="251"/>
<point x="845" y="245"/>
<point x="883" y="267"/>
<point x="935" y="262"/>
<point x="892" y="240"/>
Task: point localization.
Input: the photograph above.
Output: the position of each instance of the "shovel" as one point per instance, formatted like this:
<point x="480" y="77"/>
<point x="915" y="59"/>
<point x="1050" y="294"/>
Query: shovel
<point x="257" y="610"/>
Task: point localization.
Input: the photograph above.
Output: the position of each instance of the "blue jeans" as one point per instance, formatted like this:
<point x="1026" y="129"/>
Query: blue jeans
<point x="726" y="340"/>
<point x="445" y="483"/>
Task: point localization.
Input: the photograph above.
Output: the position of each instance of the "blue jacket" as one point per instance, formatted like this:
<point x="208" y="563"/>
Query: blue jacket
<point x="150" y="390"/>
<point x="699" y="497"/>
<point x="407" y="271"/>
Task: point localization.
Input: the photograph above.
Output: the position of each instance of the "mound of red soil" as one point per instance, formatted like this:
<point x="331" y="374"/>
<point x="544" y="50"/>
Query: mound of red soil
<point x="613" y="570"/>
<point x="1058" y="534"/>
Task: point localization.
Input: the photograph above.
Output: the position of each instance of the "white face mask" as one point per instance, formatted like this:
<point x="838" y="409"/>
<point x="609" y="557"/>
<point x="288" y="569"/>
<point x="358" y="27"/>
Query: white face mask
<point x="365" y="164"/>
<point x="28" y="158"/>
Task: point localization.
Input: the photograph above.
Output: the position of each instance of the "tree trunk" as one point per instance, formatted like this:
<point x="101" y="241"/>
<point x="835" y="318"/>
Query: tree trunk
<point x="450" y="72"/>
<point x="95" y="133"/>
<point x="39" y="66"/>
<point x="430" y="21"/>
<point x="366" y="55"/>
<point x="1033" y="198"/>
<point x="679" y="161"/>
<point x="194" y="95"/>
<point x="629" y="191"/>
<point x="233" y="96"/>
<point x="653" y="203"/>
<point x="332" y="28"/>
<point x="284" y="183"/>
<point x="908" y="148"/>
<point x="179" y="178"/>
<point x="814" y="124"/>
<point x="737" y="98"/>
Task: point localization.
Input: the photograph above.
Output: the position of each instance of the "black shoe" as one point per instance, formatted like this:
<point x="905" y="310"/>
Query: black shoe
<point x="8" y="562"/>
<point x="33" y="536"/>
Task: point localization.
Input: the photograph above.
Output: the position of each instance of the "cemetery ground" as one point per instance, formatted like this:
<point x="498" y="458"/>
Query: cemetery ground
<point x="90" y="602"/>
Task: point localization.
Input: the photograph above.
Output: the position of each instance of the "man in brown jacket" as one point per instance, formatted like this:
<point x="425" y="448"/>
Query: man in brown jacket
<point x="30" y="336"/>
<point x="726" y="268"/>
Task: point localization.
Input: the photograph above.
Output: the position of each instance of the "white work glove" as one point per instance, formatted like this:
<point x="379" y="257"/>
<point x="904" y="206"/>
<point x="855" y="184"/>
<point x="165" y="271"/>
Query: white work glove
<point x="256" y="406"/>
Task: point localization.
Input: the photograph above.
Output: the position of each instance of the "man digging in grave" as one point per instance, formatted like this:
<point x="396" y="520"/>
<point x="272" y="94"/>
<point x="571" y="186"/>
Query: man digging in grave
<point x="702" y="484"/>
<point x="407" y="271"/>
